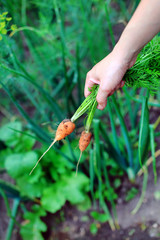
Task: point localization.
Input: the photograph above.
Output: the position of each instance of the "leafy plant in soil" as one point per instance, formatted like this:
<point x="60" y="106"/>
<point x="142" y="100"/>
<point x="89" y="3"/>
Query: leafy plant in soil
<point x="51" y="189"/>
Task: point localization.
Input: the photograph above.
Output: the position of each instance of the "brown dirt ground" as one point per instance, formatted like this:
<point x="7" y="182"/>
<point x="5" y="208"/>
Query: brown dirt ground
<point x="144" y="225"/>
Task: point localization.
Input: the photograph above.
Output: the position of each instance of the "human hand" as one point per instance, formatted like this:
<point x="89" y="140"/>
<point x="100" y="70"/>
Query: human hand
<point x="108" y="74"/>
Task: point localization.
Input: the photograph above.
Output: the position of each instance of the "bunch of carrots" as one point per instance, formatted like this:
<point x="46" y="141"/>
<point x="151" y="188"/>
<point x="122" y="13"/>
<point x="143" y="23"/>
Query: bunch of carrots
<point x="144" y="73"/>
<point x="67" y="126"/>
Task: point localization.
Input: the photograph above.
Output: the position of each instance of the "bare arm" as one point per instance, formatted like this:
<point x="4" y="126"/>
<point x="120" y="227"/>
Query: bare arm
<point x="109" y="72"/>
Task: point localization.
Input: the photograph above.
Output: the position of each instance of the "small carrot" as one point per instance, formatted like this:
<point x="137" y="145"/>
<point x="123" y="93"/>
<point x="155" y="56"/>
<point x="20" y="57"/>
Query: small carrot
<point x="65" y="128"/>
<point x="84" y="141"/>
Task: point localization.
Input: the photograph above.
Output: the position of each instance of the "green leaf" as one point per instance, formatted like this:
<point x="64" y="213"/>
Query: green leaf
<point x="9" y="136"/>
<point x="117" y="183"/>
<point x="144" y="187"/>
<point x="131" y="194"/>
<point x="59" y="165"/>
<point x="113" y="127"/>
<point x="10" y="189"/>
<point x="101" y="217"/>
<point x="93" y="228"/>
<point x="31" y="186"/>
<point x="112" y="151"/>
<point x="75" y="187"/>
<point x="110" y="194"/>
<point x="69" y="188"/>
<point x="6" y="202"/>
<point x="43" y="92"/>
<point x="85" y="205"/>
<point x="39" y="132"/>
<point x="152" y="144"/>
<point x="33" y="226"/>
<point x="26" y="141"/>
<point x="143" y="132"/>
<point x="145" y="72"/>
<point x="12" y="220"/>
<point x="124" y="132"/>
<point x="19" y="164"/>
<point x="3" y="154"/>
<point x="53" y="199"/>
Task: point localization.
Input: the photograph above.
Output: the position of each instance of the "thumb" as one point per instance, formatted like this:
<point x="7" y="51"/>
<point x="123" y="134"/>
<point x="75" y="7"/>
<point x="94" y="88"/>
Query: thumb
<point x="102" y="98"/>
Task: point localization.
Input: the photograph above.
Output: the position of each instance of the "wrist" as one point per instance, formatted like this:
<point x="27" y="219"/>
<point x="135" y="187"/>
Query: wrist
<point x="125" y="53"/>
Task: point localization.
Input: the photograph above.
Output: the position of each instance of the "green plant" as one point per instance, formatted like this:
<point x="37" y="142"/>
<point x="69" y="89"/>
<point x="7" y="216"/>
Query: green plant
<point x="98" y="219"/>
<point x="54" y="187"/>
<point x="145" y="72"/>
<point x="33" y="226"/>
<point x="131" y="194"/>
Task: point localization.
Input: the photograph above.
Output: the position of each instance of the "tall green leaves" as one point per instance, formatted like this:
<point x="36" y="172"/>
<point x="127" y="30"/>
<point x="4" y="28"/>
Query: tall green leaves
<point x="99" y="170"/>
<point x="143" y="132"/>
<point x="124" y="132"/>
<point x="152" y="143"/>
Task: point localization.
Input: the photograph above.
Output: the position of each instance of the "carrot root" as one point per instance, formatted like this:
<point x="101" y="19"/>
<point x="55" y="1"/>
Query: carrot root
<point x="84" y="140"/>
<point x="42" y="156"/>
<point x="78" y="163"/>
<point x="65" y="128"/>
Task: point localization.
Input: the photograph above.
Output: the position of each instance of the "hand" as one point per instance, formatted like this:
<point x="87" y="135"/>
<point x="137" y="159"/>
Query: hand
<point x="108" y="74"/>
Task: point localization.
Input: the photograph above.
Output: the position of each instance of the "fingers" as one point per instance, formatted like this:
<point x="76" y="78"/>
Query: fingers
<point x="122" y="83"/>
<point x="104" y="93"/>
<point x="90" y="82"/>
<point x="102" y="98"/>
<point x="105" y="90"/>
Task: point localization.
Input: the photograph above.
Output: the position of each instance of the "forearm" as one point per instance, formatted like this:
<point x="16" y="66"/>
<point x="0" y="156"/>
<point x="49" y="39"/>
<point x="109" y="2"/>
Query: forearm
<point x="109" y="72"/>
<point x="143" y="26"/>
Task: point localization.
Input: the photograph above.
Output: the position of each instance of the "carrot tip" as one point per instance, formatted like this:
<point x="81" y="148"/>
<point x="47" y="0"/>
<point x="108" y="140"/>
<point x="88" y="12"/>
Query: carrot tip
<point x="78" y="163"/>
<point x="42" y="156"/>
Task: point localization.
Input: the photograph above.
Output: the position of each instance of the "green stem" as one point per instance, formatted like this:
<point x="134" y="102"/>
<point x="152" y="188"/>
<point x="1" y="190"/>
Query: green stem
<point x="144" y="187"/>
<point x="124" y="132"/>
<point x="86" y="104"/>
<point x="110" y="26"/>
<point x="157" y="134"/>
<point x="2" y="193"/>
<point x="152" y="104"/>
<point x="91" y="115"/>
<point x="152" y="143"/>
<point x="12" y="220"/>
<point x="23" y="12"/>
<point x="92" y="174"/>
<point x="78" y="74"/>
<point x="113" y="127"/>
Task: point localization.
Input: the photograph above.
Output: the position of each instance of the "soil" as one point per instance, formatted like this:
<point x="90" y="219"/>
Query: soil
<point x="71" y="224"/>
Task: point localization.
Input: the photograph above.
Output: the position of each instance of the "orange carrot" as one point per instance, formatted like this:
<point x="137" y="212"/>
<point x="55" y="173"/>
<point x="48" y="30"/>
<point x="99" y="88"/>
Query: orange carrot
<point x="84" y="141"/>
<point x="65" y="128"/>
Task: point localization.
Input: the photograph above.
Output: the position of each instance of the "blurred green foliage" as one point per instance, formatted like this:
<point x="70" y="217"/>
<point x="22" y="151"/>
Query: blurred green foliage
<point x="131" y="194"/>
<point x="53" y="187"/>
